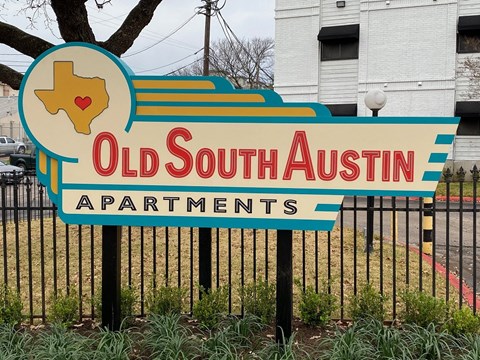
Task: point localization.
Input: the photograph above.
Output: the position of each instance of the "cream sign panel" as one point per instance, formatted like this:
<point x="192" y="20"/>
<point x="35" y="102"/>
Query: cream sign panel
<point x="119" y="149"/>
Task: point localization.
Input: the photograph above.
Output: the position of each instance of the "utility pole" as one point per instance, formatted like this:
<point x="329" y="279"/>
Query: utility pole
<point x="205" y="234"/>
<point x="206" y="43"/>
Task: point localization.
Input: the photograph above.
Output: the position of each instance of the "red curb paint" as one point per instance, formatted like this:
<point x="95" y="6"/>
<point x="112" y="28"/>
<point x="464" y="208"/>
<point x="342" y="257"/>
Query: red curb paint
<point x="467" y="199"/>
<point x="467" y="293"/>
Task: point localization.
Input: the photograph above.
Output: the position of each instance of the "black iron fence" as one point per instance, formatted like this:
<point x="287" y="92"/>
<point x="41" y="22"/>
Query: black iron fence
<point x="41" y="256"/>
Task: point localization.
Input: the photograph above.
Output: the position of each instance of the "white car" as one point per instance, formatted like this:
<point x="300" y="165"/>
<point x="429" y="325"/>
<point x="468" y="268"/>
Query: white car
<point x="10" y="146"/>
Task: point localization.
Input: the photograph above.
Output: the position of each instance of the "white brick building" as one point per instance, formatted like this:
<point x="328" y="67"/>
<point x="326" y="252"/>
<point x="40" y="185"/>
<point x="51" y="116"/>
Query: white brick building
<point x="333" y="52"/>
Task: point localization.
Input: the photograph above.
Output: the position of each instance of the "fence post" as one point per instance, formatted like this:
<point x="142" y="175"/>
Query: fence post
<point x="427" y="225"/>
<point x="111" y="259"/>
<point x="284" y="311"/>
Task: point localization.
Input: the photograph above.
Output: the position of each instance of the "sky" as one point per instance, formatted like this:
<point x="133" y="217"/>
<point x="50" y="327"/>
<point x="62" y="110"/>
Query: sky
<point x="247" y="19"/>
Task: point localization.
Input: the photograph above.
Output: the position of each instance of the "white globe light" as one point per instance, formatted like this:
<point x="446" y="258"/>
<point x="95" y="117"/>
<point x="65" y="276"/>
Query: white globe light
<point x="375" y="99"/>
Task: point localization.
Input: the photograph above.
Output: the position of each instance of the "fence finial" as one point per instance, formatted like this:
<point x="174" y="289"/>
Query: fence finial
<point x="461" y="174"/>
<point x="475" y="173"/>
<point x="447" y="175"/>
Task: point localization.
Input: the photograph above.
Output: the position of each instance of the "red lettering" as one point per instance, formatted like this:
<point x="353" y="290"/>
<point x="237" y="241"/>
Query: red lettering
<point x="247" y="155"/>
<point x="97" y="154"/>
<point x="146" y="155"/>
<point x="348" y="162"/>
<point x="305" y="164"/>
<point x="202" y="155"/>
<point x="179" y="152"/>
<point x="322" y="174"/>
<point x="126" y="171"/>
<point x="386" y="165"/>
<point x="406" y="166"/>
<point x="371" y="155"/>
<point x="264" y="164"/>
<point x="222" y="163"/>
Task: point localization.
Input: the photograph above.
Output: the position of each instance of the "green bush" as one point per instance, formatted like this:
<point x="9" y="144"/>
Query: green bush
<point x="164" y="300"/>
<point x="259" y="299"/>
<point x="462" y="321"/>
<point x="316" y="308"/>
<point x="128" y="298"/>
<point x="367" y="304"/>
<point x="64" y="308"/>
<point x="10" y="307"/>
<point x="422" y="309"/>
<point x="212" y="306"/>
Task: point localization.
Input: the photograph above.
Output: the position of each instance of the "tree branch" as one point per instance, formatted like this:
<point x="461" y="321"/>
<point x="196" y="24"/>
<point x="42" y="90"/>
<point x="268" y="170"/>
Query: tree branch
<point x="72" y="20"/>
<point x="21" y="41"/>
<point x="10" y="77"/>
<point x="137" y="19"/>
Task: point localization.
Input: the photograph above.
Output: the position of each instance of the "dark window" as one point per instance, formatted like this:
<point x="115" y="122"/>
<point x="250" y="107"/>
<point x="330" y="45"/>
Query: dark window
<point x="342" y="109"/>
<point x="2" y="140"/>
<point x="468" y="39"/>
<point x="339" y="50"/>
<point x="10" y="141"/>
<point x="468" y="42"/>
<point x="339" y="42"/>
<point x="469" y="113"/>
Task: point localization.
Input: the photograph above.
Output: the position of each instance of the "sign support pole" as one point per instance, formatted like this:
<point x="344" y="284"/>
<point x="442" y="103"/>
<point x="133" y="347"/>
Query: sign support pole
<point x="111" y="258"/>
<point x="284" y="311"/>
<point x="205" y="259"/>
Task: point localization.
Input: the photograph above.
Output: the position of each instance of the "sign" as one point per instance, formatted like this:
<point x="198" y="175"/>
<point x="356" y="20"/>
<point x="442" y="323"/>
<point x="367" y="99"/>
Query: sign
<point x="116" y="148"/>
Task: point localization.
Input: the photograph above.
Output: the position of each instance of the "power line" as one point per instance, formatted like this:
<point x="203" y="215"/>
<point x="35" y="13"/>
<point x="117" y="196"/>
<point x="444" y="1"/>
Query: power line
<point x="172" y="63"/>
<point x="163" y="39"/>
<point x="183" y="67"/>
<point x="241" y="45"/>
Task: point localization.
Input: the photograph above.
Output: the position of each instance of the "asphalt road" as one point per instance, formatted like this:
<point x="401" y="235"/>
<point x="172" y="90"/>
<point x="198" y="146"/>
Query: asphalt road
<point x="453" y="231"/>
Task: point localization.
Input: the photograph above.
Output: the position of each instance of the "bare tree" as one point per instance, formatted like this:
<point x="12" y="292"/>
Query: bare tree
<point x="73" y="25"/>
<point x="470" y="69"/>
<point x="248" y="64"/>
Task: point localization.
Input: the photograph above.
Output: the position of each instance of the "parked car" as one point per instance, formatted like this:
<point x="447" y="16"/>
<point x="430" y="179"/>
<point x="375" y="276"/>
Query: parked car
<point x="10" y="173"/>
<point x="9" y="146"/>
<point x="28" y="162"/>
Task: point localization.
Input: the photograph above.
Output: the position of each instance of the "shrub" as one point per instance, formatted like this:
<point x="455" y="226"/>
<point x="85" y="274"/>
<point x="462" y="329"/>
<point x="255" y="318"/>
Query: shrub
<point x="259" y="300"/>
<point x="10" y="307"/>
<point x="64" y="308"/>
<point x="164" y="300"/>
<point x="367" y="304"/>
<point x="422" y="309"/>
<point x="316" y="308"/>
<point x="462" y="321"/>
<point x="128" y="298"/>
<point x="212" y="306"/>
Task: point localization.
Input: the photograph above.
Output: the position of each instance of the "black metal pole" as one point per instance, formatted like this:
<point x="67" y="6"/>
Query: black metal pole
<point x="111" y="259"/>
<point x="370" y="213"/>
<point x="205" y="234"/>
<point x="284" y="286"/>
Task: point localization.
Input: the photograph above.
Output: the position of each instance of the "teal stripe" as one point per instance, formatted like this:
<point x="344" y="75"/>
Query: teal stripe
<point x="438" y="158"/>
<point x="432" y="176"/>
<point x="327" y="207"/>
<point x="246" y="190"/>
<point x="444" y="139"/>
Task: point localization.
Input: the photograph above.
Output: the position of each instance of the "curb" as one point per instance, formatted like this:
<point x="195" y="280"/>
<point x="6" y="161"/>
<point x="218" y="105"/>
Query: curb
<point x="467" y="293"/>
<point x="466" y="199"/>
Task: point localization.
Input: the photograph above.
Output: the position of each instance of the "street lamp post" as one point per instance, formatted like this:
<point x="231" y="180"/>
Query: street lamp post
<point x="375" y="100"/>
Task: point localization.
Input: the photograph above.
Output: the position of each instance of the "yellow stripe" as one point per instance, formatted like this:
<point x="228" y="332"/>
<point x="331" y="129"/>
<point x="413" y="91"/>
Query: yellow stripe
<point x="427" y="248"/>
<point x="428" y="222"/>
<point x="240" y="98"/>
<point x="54" y="175"/>
<point x="42" y="162"/>
<point x="428" y="200"/>
<point x="225" y="111"/>
<point x="173" y="84"/>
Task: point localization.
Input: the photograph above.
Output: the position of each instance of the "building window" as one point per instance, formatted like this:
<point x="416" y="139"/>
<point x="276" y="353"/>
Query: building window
<point x="469" y="113"/>
<point x="339" y="50"/>
<point x="339" y="42"/>
<point x="468" y="39"/>
<point x="342" y="109"/>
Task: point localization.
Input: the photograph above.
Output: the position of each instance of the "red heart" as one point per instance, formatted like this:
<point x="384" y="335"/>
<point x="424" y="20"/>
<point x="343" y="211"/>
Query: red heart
<point x="84" y="102"/>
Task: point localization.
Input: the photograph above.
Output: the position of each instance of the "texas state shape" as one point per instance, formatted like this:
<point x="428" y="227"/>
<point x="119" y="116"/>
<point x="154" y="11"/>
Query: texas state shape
<point x="82" y="98"/>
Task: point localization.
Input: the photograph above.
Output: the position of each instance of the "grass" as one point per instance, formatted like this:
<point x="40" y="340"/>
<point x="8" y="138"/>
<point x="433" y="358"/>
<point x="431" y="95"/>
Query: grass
<point x="348" y="269"/>
<point x="455" y="189"/>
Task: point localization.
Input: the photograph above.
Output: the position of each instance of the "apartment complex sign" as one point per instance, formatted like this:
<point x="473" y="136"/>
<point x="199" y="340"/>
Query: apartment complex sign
<point x="119" y="149"/>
